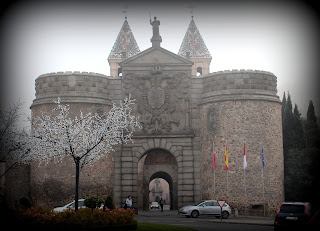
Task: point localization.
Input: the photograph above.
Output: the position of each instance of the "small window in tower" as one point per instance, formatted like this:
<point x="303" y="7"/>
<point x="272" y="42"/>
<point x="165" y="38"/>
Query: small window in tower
<point x="119" y="71"/>
<point x="199" y="71"/>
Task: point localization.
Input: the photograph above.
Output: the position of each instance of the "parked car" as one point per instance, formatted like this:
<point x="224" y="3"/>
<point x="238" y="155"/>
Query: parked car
<point x="70" y="205"/>
<point x="154" y="205"/>
<point x="314" y="222"/>
<point x="209" y="207"/>
<point x="292" y="214"/>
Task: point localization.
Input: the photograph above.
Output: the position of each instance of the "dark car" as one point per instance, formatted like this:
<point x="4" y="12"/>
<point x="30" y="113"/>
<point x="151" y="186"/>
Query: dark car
<point x="292" y="214"/>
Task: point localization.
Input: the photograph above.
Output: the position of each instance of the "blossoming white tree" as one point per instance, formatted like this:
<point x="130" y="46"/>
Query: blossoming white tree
<point x="85" y="138"/>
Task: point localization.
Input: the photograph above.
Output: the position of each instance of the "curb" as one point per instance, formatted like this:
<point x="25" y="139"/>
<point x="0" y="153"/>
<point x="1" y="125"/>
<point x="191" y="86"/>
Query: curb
<point x="248" y="222"/>
<point x="157" y="215"/>
<point x="239" y="220"/>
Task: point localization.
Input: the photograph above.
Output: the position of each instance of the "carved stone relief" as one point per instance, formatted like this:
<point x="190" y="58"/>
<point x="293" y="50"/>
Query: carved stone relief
<point x="162" y="100"/>
<point x="213" y="120"/>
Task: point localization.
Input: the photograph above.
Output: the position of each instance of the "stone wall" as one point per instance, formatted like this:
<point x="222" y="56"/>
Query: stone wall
<point x="17" y="183"/>
<point x="181" y="115"/>
<point x="72" y="86"/>
<point x="252" y="117"/>
<point x="53" y="184"/>
<point x="129" y="165"/>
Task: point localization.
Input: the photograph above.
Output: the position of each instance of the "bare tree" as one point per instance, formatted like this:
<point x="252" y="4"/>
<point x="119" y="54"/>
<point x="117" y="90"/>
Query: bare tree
<point x="85" y="138"/>
<point x="8" y="128"/>
<point x="14" y="141"/>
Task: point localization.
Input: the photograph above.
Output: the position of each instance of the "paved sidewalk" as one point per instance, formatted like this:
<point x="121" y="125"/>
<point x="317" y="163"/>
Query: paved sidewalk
<point x="251" y="220"/>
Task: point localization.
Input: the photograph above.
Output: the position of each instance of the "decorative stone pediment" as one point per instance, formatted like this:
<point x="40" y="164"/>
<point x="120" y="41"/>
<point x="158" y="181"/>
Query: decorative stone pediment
<point x="156" y="55"/>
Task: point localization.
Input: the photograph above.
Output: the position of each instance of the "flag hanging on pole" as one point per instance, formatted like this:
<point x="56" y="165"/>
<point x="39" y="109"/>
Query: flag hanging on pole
<point x="244" y="157"/>
<point x="214" y="166"/>
<point x="226" y="158"/>
<point x="262" y="156"/>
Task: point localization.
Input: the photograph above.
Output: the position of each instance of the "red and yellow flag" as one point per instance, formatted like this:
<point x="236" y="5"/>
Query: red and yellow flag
<point x="226" y="158"/>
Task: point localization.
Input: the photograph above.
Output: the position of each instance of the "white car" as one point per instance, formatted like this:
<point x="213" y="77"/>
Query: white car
<point x="70" y="205"/>
<point x="154" y="205"/>
<point x="209" y="207"/>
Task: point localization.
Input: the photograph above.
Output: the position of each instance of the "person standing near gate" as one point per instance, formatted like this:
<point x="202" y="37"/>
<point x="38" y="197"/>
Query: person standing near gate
<point x="161" y="204"/>
<point x="129" y="202"/>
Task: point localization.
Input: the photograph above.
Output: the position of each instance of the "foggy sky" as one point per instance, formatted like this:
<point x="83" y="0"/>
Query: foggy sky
<point x="39" y="37"/>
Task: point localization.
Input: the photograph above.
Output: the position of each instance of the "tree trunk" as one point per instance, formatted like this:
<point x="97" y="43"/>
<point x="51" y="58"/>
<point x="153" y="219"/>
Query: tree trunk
<point x="76" y="199"/>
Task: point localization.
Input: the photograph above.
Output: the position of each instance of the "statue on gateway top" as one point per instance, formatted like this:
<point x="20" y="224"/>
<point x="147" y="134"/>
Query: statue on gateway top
<point x="155" y="27"/>
<point x="156" y="38"/>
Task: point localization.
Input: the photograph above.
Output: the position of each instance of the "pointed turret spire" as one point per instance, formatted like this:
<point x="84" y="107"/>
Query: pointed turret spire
<point x="193" y="43"/>
<point x="124" y="47"/>
<point x="194" y="48"/>
<point x="125" y="43"/>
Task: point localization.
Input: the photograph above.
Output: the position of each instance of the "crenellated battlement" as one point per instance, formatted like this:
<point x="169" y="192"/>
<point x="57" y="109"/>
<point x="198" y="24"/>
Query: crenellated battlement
<point x="72" y="84"/>
<point x="239" y="84"/>
<point x="239" y="70"/>
<point x="75" y="87"/>
<point x="59" y="73"/>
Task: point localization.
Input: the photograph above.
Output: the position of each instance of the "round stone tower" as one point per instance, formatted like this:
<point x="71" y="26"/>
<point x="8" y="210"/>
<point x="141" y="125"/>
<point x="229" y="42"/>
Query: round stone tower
<point x="53" y="184"/>
<point x="242" y="108"/>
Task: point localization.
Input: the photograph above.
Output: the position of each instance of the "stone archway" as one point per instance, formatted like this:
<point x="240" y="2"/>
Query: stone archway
<point x="168" y="178"/>
<point x="157" y="163"/>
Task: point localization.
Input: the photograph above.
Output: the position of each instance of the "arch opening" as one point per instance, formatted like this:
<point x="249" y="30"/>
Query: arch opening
<point x="157" y="164"/>
<point x="159" y="188"/>
<point x="199" y="71"/>
<point x="119" y="71"/>
<point x="165" y="193"/>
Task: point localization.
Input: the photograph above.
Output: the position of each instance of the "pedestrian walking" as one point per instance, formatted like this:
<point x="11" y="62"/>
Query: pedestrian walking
<point x="161" y="204"/>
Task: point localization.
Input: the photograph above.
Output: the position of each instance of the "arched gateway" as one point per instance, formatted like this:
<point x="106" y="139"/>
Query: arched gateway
<point x="157" y="163"/>
<point x="181" y="115"/>
<point x="168" y="157"/>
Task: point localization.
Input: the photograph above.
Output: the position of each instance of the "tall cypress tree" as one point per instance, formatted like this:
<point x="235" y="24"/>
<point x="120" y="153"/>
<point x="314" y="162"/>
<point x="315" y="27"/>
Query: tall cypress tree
<point x="311" y="115"/>
<point x="284" y="104"/>
<point x="313" y="154"/>
<point x="287" y="126"/>
<point x="311" y="128"/>
<point x="298" y="132"/>
<point x="293" y="144"/>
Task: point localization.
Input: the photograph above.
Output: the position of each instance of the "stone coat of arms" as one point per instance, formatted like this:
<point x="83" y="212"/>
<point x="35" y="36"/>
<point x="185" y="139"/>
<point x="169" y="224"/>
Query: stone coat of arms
<point x="162" y="99"/>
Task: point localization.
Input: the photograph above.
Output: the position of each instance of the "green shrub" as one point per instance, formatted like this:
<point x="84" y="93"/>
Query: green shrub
<point x="25" y="202"/>
<point x="109" y="203"/>
<point x="69" y="218"/>
<point x="93" y="202"/>
<point x="36" y="215"/>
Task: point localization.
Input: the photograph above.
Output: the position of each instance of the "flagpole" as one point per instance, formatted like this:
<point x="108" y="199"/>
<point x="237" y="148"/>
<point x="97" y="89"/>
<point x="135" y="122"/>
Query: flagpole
<point x="226" y="151"/>
<point x="245" y="190"/>
<point x="244" y="173"/>
<point x="214" y="185"/>
<point x="245" y="187"/>
<point x="214" y="172"/>
<point x="264" y="203"/>
<point x="227" y="188"/>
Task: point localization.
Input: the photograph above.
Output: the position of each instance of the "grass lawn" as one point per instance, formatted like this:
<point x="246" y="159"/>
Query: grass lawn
<point x="156" y="227"/>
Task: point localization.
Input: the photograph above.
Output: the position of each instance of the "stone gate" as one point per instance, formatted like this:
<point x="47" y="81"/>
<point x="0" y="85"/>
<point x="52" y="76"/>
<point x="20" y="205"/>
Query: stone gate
<point x="183" y="110"/>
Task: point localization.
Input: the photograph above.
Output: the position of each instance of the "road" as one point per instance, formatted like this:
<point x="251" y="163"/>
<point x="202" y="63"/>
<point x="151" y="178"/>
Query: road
<point x="200" y="223"/>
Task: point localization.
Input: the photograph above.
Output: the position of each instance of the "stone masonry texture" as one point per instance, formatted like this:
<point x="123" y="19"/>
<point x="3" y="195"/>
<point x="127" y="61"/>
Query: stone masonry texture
<point x="181" y="116"/>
